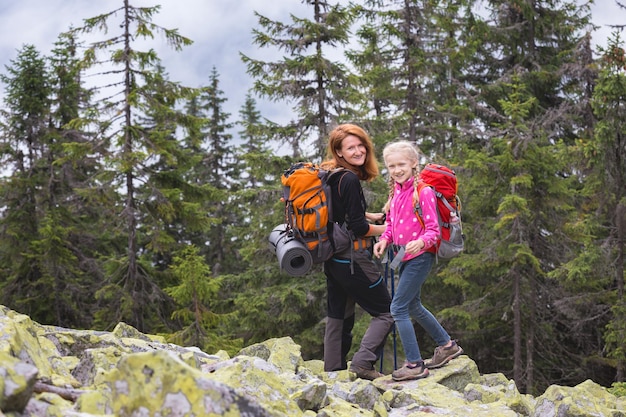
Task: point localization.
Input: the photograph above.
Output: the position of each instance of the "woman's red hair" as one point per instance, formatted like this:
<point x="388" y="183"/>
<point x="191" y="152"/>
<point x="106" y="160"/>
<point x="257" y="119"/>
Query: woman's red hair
<point x="366" y="172"/>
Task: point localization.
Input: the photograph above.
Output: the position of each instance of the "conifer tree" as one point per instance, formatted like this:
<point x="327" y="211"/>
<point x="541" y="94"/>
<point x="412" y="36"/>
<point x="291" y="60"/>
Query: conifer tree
<point x="58" y="264"/>
<point x="255" y="146"/>
<point x="195" y="291"/>
<point x="594" y="275"/>
<point x="259" y="189"/>
<point x="23" y="156"/>
<point x="377" y="93"/>
<point x="267" y="302"/>
<point x="608" y="157"/>
<point x="316" y="84"/>
<point x="134" y="150"/>
<point x="410" y="62"/>
<point x="519" y="189"/>
<point x="219" y="169"/>
<point x="71" y="251"/>
<point x="173" y="203"/>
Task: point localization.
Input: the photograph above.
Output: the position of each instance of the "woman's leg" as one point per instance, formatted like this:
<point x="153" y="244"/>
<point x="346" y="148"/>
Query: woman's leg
<point x="334" y="335"/>
<point x="367" y="288"/>
<point x="348" y="325"/>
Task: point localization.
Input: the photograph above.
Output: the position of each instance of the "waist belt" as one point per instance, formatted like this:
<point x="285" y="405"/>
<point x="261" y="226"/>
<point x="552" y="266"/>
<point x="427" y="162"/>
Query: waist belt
<point x="341" y="261"/>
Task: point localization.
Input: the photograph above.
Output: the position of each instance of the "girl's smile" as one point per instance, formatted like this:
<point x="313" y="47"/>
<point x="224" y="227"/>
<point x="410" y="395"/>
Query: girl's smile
<point x="400" y="167"/>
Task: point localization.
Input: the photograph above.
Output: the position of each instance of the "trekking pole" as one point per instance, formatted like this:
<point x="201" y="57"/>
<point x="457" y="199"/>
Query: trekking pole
<point x="393" y="329"/>
<point x="389" y="276"/>
<point x="382" y="350"/>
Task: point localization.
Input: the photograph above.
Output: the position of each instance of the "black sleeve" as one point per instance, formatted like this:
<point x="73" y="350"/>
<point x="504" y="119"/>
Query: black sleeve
<point x="349" y="203"/>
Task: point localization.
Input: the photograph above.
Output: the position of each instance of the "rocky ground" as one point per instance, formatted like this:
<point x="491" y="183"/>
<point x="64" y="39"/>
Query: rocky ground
<point x="52" y="371"/>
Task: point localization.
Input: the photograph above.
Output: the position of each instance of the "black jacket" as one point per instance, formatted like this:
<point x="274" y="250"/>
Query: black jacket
<point x="349" y="203"/>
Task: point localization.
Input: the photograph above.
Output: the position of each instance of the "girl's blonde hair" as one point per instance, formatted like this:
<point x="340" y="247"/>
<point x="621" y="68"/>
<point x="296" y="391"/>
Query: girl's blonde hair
<point x="411" y="152"/>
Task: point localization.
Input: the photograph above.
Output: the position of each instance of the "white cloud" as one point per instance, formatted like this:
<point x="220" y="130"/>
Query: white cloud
<point x="604" y="14"/>
<point x="220" y="30"/>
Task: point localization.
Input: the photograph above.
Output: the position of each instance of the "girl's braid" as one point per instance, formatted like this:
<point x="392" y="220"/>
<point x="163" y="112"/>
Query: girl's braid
<point x="416" y="195"/>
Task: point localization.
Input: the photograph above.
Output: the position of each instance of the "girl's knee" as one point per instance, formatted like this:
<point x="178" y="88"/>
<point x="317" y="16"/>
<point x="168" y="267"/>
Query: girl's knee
<point x="399" y="312"/>
<point x="401" y="306"/>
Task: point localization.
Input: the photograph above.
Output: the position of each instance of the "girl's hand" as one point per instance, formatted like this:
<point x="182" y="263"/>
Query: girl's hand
<point x="415" y="246"/>
<point x="379" y="248"/>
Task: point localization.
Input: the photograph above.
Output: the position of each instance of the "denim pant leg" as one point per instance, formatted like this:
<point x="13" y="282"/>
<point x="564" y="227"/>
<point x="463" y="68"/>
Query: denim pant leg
<point x="407" y="303"/>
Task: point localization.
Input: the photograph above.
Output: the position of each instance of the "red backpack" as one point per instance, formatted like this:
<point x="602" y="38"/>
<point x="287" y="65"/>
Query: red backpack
<point x="444" y="182"/>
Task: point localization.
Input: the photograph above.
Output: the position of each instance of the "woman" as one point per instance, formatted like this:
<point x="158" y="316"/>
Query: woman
<point x="351" y="275"/>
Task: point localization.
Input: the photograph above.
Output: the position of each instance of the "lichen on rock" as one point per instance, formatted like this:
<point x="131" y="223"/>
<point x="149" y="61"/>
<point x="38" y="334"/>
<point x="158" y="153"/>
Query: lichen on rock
<point x="50" y="371"/>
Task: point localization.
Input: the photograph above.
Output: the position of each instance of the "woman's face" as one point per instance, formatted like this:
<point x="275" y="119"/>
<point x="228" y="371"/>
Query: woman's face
<point x="353" y="151"/>
<point x="400" y="167"/>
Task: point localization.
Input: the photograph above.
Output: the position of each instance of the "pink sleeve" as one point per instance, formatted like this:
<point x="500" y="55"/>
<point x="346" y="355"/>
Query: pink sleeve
<point x="428" y="202"/>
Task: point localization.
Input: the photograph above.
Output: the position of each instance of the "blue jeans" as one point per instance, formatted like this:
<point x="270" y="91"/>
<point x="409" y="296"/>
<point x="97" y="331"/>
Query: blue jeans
<point x="407" y="304"/>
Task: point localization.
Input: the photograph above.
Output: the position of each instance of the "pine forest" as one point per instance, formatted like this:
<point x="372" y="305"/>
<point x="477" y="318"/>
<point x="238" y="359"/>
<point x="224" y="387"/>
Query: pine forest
<point x="140" y="200"/>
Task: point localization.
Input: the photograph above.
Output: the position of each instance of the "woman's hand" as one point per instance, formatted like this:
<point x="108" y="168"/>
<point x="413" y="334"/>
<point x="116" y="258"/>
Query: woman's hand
<point x="376" y="218"/>
<point x="415" y="246"/>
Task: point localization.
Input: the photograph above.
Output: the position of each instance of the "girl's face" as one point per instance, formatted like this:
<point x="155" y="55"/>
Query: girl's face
<point x="353" y="151"/>
<point x="400" y="167"/>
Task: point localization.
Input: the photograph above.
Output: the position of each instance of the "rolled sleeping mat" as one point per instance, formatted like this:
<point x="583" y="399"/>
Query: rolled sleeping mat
<point x="293" y="256"/>
<point x="275" y="235"/>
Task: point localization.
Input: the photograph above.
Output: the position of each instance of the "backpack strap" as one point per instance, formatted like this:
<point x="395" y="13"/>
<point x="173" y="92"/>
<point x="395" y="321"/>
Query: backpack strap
<point x="343" y="174"/>
<point x="418" y="208"/>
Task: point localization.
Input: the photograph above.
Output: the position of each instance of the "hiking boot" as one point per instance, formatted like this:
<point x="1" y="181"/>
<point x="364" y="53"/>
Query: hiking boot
<point x="444" y="355"/>
<point x="409" y="371"/>
<point x="369" y="374"/>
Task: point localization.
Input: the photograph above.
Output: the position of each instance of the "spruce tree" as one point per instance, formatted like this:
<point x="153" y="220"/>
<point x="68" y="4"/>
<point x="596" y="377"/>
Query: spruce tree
<point x="60" y="272"/>
<point x="258" y="190"/>
<point x="609" y="161"/>
<point x="318" y="86"/>
<point x="520" y="185"/>
<point x="220" y="170"/>
<point x="137" y="123"/>
<point x="410" y="66"/>
<point x="195" y="291"/>
<point x="267" y="302"/>
<point x="24" y="158"/>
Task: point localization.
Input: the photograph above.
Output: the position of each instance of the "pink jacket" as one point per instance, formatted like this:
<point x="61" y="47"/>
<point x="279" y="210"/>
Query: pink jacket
<point x="403" y="225"/>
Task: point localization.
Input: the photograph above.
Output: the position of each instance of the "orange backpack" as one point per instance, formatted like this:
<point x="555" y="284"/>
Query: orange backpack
<point x="308" y="208"/>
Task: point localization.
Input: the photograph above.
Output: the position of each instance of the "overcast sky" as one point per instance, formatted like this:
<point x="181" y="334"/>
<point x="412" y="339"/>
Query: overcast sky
<point x="220" y="30"/>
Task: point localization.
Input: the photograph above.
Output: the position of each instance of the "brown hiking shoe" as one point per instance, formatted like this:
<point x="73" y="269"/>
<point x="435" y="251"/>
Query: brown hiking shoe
<point x="444" y="355"/>
<point x="409" y="371"/>
<point x="369" y="374"/>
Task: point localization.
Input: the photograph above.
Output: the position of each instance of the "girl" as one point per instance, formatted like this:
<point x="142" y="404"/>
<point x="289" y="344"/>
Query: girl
<point x="405" y="230"/>
<point x="351" y="275"/>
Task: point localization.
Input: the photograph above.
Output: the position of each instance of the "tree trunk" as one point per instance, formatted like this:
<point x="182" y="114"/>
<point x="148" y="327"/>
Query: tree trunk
<point x="530" y="342"/>
<point x="517" y="330"/>
<point x="619" y="273"/>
